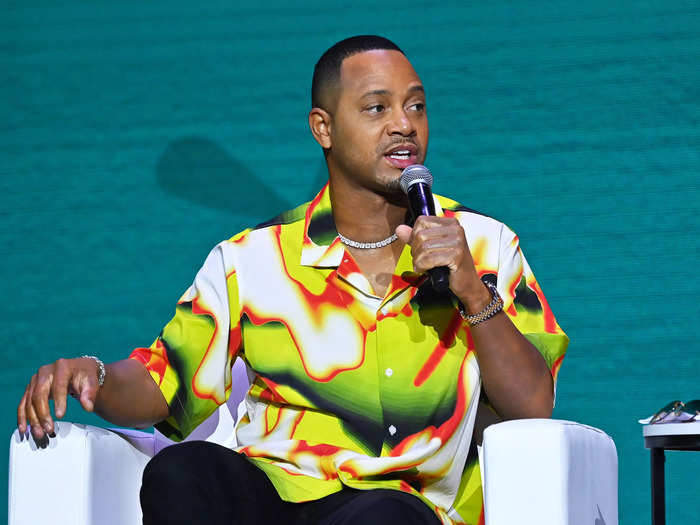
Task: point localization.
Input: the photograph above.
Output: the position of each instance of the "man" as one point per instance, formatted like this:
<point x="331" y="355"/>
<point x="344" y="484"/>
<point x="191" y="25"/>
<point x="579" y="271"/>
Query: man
<point x="365" y="380"/>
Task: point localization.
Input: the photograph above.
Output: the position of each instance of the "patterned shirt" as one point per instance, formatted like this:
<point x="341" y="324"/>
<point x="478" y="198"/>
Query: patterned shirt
<point x="348" y="388"/>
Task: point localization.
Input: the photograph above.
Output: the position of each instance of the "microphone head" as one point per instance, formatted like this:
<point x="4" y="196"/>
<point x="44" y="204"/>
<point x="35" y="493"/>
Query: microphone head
<point x="413" y="174"/>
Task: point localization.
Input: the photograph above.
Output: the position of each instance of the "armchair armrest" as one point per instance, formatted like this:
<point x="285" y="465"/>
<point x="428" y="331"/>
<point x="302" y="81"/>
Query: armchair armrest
<point x="78" y="477"/>
<point x="544" y="471"/>
<point x="92" y="476"/>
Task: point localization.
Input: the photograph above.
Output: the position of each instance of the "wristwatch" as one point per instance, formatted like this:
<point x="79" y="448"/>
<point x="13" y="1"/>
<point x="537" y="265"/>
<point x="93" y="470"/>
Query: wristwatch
<point x="491" y="309"/>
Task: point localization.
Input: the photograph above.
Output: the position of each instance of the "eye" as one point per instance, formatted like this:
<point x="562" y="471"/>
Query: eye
<point x="375" y="109"/>
<point x="418" y="106"/>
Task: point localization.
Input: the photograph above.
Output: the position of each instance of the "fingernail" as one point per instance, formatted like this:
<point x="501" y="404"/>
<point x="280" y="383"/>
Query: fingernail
<point x="52" y="434"/>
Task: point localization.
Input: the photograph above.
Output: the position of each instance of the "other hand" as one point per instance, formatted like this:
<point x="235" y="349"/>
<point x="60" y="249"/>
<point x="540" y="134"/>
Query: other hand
<point x="78" y="377"/>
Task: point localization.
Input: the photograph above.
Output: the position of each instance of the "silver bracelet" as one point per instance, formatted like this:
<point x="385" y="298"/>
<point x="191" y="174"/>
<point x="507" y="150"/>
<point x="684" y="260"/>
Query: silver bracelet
<point x="495" y="306"/>
<point x="101" y="366"/>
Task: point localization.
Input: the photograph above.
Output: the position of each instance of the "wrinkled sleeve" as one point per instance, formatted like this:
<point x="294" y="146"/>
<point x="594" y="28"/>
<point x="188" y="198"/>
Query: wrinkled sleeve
<point x="526" y="305"/>
<point x="191" y="359"/>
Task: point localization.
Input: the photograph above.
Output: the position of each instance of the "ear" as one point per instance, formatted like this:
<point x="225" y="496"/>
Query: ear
<point x="320" y="125"/>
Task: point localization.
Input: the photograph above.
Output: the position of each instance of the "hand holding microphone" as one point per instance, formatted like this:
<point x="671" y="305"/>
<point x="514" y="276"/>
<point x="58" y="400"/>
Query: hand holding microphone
<point x="438" y="244"/>
<point x="416" y="182"/>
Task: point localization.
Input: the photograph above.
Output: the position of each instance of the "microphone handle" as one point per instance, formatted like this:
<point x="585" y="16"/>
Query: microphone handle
<point x="440" y="278"/>
<point x="420" y="201"/>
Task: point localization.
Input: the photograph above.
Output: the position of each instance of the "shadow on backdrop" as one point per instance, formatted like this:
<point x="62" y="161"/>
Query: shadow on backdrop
<point x="200" y="171"/>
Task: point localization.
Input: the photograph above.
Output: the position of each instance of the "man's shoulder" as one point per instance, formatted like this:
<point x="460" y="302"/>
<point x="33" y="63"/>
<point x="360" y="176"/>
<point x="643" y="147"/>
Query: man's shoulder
<point x="464" y="214"/>
<point x="451" y="205"/>
<point x="288" y="218"/>
<point x="479" y="226"/>
<point x="285" y="218"/>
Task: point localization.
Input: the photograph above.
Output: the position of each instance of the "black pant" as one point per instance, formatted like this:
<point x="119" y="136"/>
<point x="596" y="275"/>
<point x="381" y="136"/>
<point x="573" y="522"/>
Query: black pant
<point x="203" y="483"/>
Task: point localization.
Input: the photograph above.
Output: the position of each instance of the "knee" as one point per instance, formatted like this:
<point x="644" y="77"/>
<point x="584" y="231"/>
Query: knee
<point x="172" y="467"/>
<point x="388" y="506"/>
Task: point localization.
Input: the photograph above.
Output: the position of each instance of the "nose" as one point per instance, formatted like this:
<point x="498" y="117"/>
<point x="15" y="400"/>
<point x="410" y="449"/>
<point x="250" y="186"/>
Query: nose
<point x="401" y="124"/>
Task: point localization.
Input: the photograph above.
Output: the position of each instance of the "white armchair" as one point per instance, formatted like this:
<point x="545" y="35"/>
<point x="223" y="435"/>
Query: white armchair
<point x="548" y="472"/>
<point x="535" y="471"/>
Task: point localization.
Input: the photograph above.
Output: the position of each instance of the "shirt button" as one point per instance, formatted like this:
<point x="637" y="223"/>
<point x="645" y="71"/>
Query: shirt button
<point x="392" y="429"/>
<point x="346" y="260"/>
<point x="388" y="372"/>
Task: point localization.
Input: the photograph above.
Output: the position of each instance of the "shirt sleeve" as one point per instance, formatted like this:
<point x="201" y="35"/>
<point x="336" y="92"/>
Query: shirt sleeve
<point x="191" y="359"/>
<point x="526" y="305"/>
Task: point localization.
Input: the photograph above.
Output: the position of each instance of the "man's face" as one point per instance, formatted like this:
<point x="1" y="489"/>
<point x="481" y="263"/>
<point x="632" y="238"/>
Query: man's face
<point x="379" y="124"/>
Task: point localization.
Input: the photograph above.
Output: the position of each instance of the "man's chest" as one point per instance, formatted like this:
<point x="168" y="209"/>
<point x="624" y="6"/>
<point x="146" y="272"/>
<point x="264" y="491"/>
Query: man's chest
<point x="395" y="365"/>
<point x="376" y="265"/>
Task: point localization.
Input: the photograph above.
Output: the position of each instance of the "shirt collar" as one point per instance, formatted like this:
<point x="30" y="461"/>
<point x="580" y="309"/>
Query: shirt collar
<point x="321" y="246"/>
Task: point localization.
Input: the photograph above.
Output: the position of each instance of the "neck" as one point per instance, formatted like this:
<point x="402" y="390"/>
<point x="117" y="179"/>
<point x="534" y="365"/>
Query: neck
<point x="364" y="215"/>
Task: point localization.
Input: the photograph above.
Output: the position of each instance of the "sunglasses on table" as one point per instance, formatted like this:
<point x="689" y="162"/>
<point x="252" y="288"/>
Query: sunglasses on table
<point x="678" y="412"/>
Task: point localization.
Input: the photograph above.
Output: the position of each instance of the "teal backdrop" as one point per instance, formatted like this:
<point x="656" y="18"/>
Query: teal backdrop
<point x="134" y="136"/>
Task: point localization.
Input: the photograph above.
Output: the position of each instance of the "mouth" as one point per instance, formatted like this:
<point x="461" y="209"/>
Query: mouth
<point x="402" y="155"/>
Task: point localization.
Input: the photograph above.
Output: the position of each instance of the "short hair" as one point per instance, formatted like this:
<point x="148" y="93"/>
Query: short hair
<point x="327" y="69"/>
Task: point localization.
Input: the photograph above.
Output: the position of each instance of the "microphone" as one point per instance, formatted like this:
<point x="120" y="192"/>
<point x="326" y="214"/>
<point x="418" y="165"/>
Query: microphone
<point x="416" y="181"/>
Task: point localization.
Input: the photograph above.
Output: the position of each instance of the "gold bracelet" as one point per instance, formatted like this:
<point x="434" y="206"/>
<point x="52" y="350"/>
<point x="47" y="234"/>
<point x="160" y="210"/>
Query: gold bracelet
<point x="495" y="306"/>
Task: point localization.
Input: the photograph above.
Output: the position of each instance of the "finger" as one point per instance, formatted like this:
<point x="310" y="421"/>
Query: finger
<point x="22" y="414"/>
<point x="88" y="392"/>
<point x="429" y="228"/>
<point x="40" y="437"/>
<point x="404" y="233"/>
<point x="59" y="389"/>
<point x="421" y="223"/>
<point x="438" y="241"/>
<point x="444" y="246"/>
<point x="429" y="239"/>
<point x="426" y="227"/>
<point x="443" y="256"/>
<point x="431" y="221"/>
<point x="40" y="397"/>
<point x="36" y="430"/>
